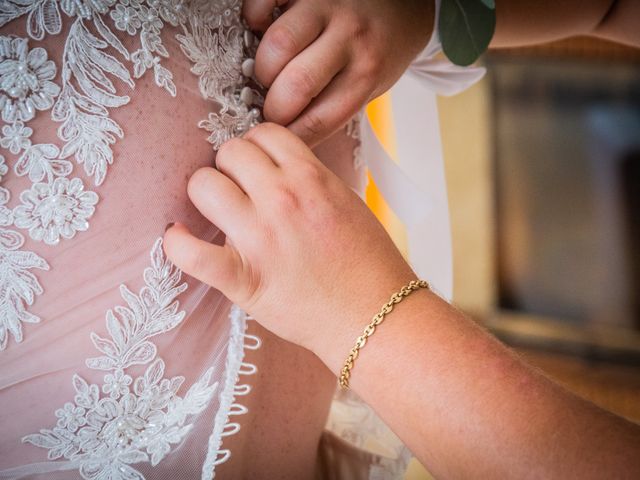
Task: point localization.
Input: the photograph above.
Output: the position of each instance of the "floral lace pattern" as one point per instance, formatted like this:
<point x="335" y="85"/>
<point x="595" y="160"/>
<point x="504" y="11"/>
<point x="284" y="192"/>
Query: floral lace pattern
<point x="218" y="57"/>
<point x="52" y="210"/>
<point x="18" y="285"/>
<point x="92" y="69"/>
<point x="136" y="420"/>
<point x="25" y="80"/>
<point x="107" y="429"/>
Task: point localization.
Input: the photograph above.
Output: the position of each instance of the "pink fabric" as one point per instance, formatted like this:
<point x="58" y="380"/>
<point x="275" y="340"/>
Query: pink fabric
<point x="145" y="189"/>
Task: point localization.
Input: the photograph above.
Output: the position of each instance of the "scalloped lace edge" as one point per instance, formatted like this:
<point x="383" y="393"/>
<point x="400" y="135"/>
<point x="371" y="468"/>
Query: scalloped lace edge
<point x="239" y="343"/>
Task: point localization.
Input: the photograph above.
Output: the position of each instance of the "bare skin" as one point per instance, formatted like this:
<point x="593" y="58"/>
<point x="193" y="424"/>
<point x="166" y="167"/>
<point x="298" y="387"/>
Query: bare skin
<point x="281" y="413"/>
<point x="325" y="59"/>
<point x="317" y="253"/>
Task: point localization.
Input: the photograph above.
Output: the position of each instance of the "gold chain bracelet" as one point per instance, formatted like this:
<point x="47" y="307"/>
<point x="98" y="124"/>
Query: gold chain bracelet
<point x="397" y="297"/>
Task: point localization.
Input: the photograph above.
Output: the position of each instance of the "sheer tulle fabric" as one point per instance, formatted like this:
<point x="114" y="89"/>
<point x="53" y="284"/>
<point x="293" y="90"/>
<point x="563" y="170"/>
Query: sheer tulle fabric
<point x="114" y="365"/>
<point x="133" y="370"/>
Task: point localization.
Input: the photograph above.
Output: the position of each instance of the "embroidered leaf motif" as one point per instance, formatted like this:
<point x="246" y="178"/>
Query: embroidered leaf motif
<point x="13" y="9"/>
<point x="18" y="285"/>
<point x="139" y="355"/>
<point x="164" y="79"/>
<point x="106" y="435"/>
<point x="101" y="363"/>
<point x="137" y="419"/>
<point x="40" y="161"/>
<point x="104" y="345"/>
<point x="44" y="18"/>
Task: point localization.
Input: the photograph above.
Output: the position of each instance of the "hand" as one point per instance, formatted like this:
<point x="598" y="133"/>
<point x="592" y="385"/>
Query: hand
<point x="323" y="60"/>
<point x="303" y="254"/>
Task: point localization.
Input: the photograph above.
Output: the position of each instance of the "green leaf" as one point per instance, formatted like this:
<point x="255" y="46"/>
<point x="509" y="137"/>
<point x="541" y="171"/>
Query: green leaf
<point x="490" y="4"/>
<point x="466" y="28"/>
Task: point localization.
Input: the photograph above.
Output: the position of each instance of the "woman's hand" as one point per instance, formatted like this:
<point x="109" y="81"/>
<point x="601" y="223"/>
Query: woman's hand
<point x="323" y="60"/>
<point x="307" y="259"/>
<point x="302" y="249"/>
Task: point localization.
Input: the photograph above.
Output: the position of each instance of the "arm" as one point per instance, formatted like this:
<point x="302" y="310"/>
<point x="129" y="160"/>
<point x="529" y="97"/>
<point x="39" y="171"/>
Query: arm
<point x="521" y="23"/>
<point x="309" y="261"/>
<point x="471" y="408"/>
<point x="324" y="59"/>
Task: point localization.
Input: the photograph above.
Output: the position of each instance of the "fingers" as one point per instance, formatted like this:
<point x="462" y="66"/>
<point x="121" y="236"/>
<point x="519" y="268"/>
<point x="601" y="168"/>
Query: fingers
<point x="286" y="38"/>
<point x="220" y="200"/>
<point x="212" y="264"/>
<point x="259" y="13"/>
<point x="247" y="165"/>
<point x="304" y="77"/>
<point x="333" y="108"/>
<point x="284" y="148"/>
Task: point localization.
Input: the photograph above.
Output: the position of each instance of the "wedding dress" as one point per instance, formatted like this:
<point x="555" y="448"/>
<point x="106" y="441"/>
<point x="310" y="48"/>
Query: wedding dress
<point x="113" y="364"/>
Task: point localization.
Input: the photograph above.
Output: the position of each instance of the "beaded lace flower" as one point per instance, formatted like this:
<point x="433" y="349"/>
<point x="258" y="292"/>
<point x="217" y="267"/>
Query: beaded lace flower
<point x="83" y="87"/>
<point x="25" y="80"/>
<point x="54" y="210"/>
<point x="110" y="427"/>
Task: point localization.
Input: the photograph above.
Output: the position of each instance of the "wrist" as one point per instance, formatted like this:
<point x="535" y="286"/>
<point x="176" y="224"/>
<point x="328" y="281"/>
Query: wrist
<point x="335" y="342"/>
<point x="392" y="348"/>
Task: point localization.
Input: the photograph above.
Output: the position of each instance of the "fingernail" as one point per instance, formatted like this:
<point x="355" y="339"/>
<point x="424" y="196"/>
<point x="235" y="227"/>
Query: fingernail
<point x="169" y="225"/>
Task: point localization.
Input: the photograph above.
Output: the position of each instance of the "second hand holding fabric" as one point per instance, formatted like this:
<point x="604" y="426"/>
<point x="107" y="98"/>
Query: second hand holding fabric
<point x="303" y="253"/>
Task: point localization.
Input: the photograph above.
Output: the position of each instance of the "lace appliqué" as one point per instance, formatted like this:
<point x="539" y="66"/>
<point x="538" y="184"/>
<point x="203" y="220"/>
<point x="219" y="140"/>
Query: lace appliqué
<point x="352" y="130"/>
<point x="54" y="210"/>
<point x="18" y="285"/>
<point x="126" y="420"/>
<point x="222" y="60"/>
<point x="58" y="206"/>
<point x="129" y="420"/>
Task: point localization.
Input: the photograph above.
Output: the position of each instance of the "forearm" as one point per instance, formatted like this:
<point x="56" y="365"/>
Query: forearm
<point x="621" y="24"/>
<point x="520" y="23"/>
<point x="469" y="408"/>
<point x="317" y="265"/>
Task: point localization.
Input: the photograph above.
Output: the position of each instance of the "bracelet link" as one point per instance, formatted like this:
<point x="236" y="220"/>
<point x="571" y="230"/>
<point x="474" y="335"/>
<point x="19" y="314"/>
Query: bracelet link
<point x="345" y="373"/>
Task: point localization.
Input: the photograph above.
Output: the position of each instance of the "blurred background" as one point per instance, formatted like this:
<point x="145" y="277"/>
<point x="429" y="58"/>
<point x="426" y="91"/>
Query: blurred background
<point x="543" y="171"/>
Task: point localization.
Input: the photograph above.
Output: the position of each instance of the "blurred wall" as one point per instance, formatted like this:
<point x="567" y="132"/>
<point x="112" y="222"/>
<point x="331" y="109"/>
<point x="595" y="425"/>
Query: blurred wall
<point x="466" y="137"/>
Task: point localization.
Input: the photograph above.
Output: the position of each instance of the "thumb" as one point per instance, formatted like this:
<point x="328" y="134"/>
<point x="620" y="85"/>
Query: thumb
<point x="217" y="266"/>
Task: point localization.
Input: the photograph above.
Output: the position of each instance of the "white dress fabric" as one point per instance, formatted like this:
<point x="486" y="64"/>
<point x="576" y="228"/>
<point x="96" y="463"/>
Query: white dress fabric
<point x="105" y="374"/>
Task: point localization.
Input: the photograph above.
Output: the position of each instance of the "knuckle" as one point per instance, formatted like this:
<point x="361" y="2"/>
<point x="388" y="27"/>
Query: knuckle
<point x="281" y="38"/>
<point x="311" y="174"/>
<point x="287" y="200"/>
<point x="225" y="154"/>
<point x="357" y="26"/>
<point x="313" y="125"/>
<point x="301" y="82"/>
<point x="360" y="29"/>
<point x="264" y="129"/>
<point x="371" y="65"/>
